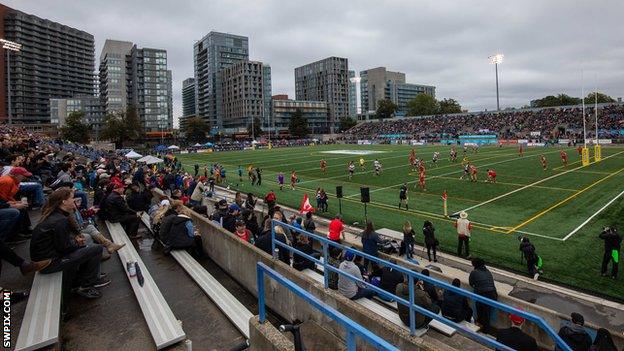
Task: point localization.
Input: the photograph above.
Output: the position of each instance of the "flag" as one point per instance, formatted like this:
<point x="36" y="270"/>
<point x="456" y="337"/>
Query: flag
<point x="444" y="195"/>
<point x="305" y="205"/>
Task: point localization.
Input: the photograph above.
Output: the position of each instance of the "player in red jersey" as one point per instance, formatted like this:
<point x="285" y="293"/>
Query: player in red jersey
<point x="412" y="162"/>
<point x="544" y="162"/>
<point x="491" y="174"/>
<point x="580" y="150"/>
<point x="473" y="173"/>
<point x="323" y="166"/>
<point x="564" y="158"/>
<point x="293" y="179"/>
<point x="520" y="150"/>
<point x="421" y="179"/>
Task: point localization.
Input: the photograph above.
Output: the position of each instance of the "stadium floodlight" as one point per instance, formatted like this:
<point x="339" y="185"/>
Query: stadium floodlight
<point x="15" y="47"/>
<point x="497" y="59"/>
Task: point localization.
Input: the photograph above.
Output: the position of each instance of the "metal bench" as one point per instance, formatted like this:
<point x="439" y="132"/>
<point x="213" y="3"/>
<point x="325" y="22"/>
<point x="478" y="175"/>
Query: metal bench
<point x="238" y="314"/>
<point x="41" y="323"/>
<point x="163" y="325"/>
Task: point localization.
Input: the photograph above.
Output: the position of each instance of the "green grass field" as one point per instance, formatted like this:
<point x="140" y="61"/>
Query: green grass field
<point x="548" y="206"/>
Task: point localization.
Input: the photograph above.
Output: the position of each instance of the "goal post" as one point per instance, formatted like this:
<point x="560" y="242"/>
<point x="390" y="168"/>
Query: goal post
<point x="585" y="156"/>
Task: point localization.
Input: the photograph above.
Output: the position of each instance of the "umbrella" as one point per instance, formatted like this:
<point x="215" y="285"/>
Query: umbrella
<point x="133" y="154"/>
<point x="173" y="147"/>
<point x="208" y="144"/>
<point x="150" y="160"/>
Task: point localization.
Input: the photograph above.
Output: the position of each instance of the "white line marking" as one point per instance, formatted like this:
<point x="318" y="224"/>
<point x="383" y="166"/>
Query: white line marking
<point x="530" y="185"/>
<point x="592" y="216"/>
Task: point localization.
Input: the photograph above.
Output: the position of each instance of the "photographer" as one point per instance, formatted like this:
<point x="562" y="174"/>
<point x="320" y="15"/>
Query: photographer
<point x="612" y="242"/>
<point x="531" y="257"/>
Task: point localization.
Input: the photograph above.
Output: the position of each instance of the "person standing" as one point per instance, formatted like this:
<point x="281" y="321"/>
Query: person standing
<point x="612" y="245"/>
<point x="403" y="197"/>
<point x="408" y="239"/>
<point x="270" y="200"/>
<point x="280" y="180"/>
<point x="336" y="229"/>
<point x="196" y="168"/>
<point x="259" y="176"/>
<point x="464" y="227"/>
<point x="370" y="239"/>
<point x="515" y="338"/>
<point x="430" y="240"/>
<point x="529" y="254"/>
<point x="482" y="283"/>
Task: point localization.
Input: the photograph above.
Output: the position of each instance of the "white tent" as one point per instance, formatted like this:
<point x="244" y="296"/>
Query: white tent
<point x="198" y="144"/>
<point x="133" y="154"/>
<point x="173" y="147"/>
<point x="150" y="160"/>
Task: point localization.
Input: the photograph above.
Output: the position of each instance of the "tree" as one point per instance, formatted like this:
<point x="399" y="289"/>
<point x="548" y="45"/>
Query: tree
<point x="386" y="108"/>
<point x="347" y="123"/>
<point x="422" y="105"/>
<point x="257" y="128"/>
<point x="196" y="129"/>
<point x="449" y="106"/>
<point x="122" y="126"/>
<point x="602" y="98"/>
<point x="74" y="130"/>
<point x="559" y="100"/>
<point x="298" y="126"/>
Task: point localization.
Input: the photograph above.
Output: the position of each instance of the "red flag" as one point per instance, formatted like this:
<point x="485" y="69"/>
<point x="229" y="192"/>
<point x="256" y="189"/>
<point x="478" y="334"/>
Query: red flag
<point x="305" y="205"/>
<point x="444" y="195"/>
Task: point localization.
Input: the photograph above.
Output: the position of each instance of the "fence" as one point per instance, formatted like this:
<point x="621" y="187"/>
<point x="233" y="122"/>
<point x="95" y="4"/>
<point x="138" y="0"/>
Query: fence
<point x="412" y="275"/>
<point x="353" y="329"/>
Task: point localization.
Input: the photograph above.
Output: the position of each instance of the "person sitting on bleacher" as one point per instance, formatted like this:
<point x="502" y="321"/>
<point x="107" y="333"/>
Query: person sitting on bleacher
<point x="455" y="306"/>
<point x="421" y="298"/>
<point x="389" y="280"/>
<point x="432" y="290"/>
<point x="117" y="211"/>
<point x="230" y="218"/>
<point x="138" y="200"/>
<point x="515" y="338"/>
<point x="56" y="239"/>
<point x="300" y="262"/>
<point x="9" y="187"/>
<point x="349" y="287"/>
<point x="574" y="334"/>
<point x="177" y="231"/>
<point x="87" y="228"/>
<point x="334" y="261"/>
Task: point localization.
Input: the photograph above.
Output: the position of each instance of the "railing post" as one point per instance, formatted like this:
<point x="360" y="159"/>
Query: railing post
<point x="261" y="303"/>
<point x="350" y="340"/>
<point x="412" y="313"/>
<point x="273" y="239"/>
<point x="325" y="264"/>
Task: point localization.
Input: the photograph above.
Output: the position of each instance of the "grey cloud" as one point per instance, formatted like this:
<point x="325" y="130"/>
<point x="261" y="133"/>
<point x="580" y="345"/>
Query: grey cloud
<point x="444" y="43"/>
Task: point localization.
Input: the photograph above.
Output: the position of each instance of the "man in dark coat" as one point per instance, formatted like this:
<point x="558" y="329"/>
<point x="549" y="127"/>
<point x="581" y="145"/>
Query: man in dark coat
<point x="515" y="338"/>
<point x="612" y="246"/>
<point x="117" y="211"/>
<point x="455" y="306"/>
<point x="575" y="335"/>
<point x="482" y="282"/>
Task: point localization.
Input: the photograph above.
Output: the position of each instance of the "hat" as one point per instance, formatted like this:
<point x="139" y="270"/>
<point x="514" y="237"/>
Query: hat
<point x="164" y="202"/>
<point x="463" y="214"/>
<point x="349" y="256"/>
<point x="515" y="319"/>
<point x="577" y="318"/>
<point x="20" y="171"/>
<point x="234" y="207"/>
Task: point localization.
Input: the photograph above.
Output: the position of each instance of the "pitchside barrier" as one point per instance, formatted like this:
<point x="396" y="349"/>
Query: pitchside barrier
<point x="412" y="277"/>
<point x="353" y="329"/>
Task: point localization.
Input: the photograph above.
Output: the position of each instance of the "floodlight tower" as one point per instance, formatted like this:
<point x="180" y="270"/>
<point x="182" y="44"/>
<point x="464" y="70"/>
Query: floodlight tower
<point x="15" y="47"/>
<point x="496" y="60"/>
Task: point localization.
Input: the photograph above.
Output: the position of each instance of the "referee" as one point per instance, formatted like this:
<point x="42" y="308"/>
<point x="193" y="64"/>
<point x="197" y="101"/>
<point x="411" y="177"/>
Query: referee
<point x="403" y="196"/>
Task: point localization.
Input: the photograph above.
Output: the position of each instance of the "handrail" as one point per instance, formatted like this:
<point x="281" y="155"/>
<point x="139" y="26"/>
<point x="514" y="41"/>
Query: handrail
<point x="411" y="276"/>
<point x="353" y="329"/>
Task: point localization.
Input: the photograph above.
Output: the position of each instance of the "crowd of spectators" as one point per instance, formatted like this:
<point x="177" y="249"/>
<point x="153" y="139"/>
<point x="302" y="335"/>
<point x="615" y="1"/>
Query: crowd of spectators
<point x="551" y="123"/>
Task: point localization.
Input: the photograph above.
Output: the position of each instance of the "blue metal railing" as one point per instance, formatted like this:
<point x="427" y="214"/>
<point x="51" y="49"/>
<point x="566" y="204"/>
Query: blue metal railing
<point x="353" y="329"/>
<point x="412" y="276"/>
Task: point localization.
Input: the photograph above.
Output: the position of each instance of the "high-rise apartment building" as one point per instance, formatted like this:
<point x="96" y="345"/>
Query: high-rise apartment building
<point x="213" y="53"/>
<point x="267" y="93"/>
<point x="138" y="77"/>
<point x="377" y="84"/>
<point x="315" y="112"/>
<point x="243" y="94"/>
<point x="55" y="61"/>
<point x="325" y="80"/>
<point x="188" y="97"/>
<point x="352" y="94"/>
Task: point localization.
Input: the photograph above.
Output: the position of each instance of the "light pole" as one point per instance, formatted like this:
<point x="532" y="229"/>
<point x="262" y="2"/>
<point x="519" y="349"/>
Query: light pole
<point x="9" y="46"/>
<point x="496" y="59"/>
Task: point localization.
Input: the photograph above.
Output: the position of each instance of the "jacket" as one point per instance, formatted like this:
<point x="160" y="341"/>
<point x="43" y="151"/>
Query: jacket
<point x="421" y="299"/>
<point x="528" y="251"/>
<point x="429" y="233"/>
<point x="454" y="306"/>
<point x="517" y="339"/>
<point x="347" y="286"/>
<point x="174" y="232"/>
<point x="390" y="278"/>
<point x="138" y="201"/>
<point x="481" y="280"/>
<point x="612" y="240"/>
<point x="53" y="238"/>
<point x="369" y="244"/>
<point x="115" y="207"/>
<point x="575" y="336"/>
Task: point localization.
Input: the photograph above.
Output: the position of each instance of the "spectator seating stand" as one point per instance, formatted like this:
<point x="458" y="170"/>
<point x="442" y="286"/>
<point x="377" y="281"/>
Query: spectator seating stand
<point x="41" y="323"/>
<point x="165" y="328"/>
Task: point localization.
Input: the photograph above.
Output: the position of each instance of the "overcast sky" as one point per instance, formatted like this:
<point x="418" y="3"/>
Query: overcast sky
<point x="443" y="43"/>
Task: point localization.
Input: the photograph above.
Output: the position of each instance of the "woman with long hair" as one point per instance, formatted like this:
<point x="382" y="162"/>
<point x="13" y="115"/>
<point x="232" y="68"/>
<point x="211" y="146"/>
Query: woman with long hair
<point x="408" y="239"/>
<point x="370" y="239"/>
<point x="56" y="239"/>
<point x="177" y="231"/>
<point x="430" y="240"/>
